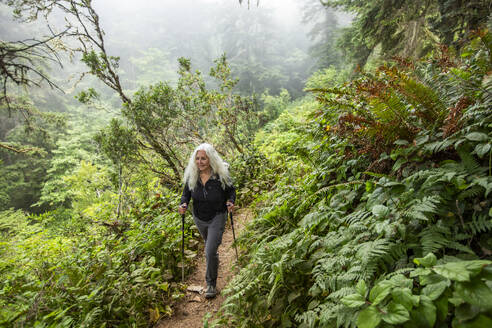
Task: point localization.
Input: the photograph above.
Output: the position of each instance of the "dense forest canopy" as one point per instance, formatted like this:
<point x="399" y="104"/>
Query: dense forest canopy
<point x="359" y="132"/>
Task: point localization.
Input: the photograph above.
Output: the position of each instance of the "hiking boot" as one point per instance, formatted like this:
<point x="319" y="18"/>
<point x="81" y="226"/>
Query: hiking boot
<point x="211" y="292"/>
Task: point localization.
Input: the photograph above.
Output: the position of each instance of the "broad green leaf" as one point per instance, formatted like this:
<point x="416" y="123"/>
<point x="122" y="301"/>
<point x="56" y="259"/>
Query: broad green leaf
<point x="401" y="142"/>
<point x="476" y="136"/>
<point x="293" y="295"/>
<point x="313" y="304"/>
<point x="442" y="307"/>
<point x="164" y="286"/>
<point x="401" y="281"/>
<point x="396" y="314"/>
<point x="369" y="318"/>
<point x="399" y="163"/>
<point x="404" y="297"/>
<point x="380" y="211"/>
<point x="419" y="272"/>
<point x="432" y="278"/>
<point x="466" y="312"/>
<point x="433" y="291"/>
<point x="379" y="292"/>
<point x="353" y="300"/>
<point x="475" y="292"/>
<point x="361" y="288"/>
<point x="482" y="149"/>
<point x="427" y="311"/>
<point x="486" y="183"/>
<point x="419" y="140"/>
<point x="427" y="261"/>
<point x="482" y="321"/>
<point x="461" y="270"/>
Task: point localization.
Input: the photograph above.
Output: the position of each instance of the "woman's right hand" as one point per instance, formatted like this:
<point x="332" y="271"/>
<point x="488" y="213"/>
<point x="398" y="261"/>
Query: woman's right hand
<point x="182" y="208"/>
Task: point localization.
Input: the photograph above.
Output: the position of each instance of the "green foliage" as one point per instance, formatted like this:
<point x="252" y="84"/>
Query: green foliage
<point x="323" y="33"/>
<point x="459" y="289"/>
<point x="86" y="96"/>
<point x="263" y="55"/>
<point x="22" y="174"/>
<point x="168" y="118"/>
<point x="381" y="213"/>
<point x="408" y="29"/>
<point x="152" y="65"/>
<point x="325" y="77"/>
<point x="96" y="278"/>
<point x="273" y="106"/>
<point x="75" y="145"/>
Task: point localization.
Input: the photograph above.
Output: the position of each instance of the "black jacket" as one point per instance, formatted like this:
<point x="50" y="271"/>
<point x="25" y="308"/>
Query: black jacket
<point x="210" y="199"/>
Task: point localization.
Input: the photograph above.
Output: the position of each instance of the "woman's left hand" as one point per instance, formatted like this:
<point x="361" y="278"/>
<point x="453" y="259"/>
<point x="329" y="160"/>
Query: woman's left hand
<point x="230" y="207"/>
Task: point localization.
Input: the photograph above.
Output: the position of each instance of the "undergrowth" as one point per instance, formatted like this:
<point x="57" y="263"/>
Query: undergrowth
<point x="122" y="274"/>
<point x="380" y="214"/>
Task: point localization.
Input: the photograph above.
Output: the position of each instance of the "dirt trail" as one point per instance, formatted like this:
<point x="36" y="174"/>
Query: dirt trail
<point x="189" y="312"/>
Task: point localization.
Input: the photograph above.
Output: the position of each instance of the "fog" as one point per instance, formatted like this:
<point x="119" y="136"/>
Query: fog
<point x="268" y="39"/>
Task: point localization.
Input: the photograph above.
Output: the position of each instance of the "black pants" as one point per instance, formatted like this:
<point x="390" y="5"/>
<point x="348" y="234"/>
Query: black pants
<point x="211" y="232"/>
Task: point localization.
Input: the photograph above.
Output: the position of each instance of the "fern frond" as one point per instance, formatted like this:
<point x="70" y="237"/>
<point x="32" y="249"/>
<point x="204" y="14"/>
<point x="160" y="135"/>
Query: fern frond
<point x="434" y="238"/>
<point x="438" y="146"/>
<point x="471" y="165"/>
<point x="313" y="219"/>
<point x="307" y="319"/>
<point x="480" y="224"/>
<point x="358" y="228"/>
<point x="372" y="254"/>
<point x="339" y="185"/>
<point x="423" y="209"/>
<point x="342" y="292"/>
<point x="460" y="247"/>
<point x="472" y="192"/>
<point x="398" y="251"/>
<point x="356" y="216"/>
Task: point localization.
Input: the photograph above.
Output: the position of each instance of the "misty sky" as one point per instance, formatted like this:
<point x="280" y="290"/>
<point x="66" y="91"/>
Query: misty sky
<point x="149" y="35"/>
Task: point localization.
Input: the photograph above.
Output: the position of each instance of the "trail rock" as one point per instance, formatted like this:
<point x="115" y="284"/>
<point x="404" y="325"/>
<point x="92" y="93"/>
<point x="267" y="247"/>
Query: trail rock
<point x="196" y="299"/>
<point x="195" y="289"/>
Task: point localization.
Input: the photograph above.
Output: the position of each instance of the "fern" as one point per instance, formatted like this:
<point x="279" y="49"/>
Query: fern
<point x="438" y="146"/>
<point x="337" y="295"/>
<point x="439" y="237"/>
<point x="372" y="254"/>
<point x="470" y="165"/>
<point x="356" y="217"/>
<point x="473" y="192"/>
<point x="479" y="224"/>
<point x="423" y="209"/>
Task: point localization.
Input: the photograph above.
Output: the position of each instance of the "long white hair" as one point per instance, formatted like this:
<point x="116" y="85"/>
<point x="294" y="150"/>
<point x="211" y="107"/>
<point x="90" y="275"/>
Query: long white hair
<point x="219" y="167"/>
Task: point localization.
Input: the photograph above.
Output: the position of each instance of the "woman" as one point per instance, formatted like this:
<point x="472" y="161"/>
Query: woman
<point x="208" y="183"/>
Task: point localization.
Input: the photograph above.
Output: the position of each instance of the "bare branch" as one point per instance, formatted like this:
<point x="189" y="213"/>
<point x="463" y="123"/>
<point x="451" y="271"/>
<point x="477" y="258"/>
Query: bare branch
<point x="14" y="149"/>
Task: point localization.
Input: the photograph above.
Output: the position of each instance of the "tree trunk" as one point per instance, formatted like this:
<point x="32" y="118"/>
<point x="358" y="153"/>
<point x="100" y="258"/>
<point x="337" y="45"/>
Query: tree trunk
<point x="119" y="190"/>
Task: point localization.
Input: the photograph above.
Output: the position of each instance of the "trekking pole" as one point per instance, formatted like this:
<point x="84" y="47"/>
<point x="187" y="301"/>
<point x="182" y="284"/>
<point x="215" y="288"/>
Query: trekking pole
<point x="234" y="236"/>
<point x="182" y="247"/>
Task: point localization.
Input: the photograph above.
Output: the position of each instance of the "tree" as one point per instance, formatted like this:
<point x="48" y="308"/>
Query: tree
<point x="74" y="145"/>
<point x="457" y="19"/>
<point x="119" y="144"/>
<point x="23" y="175"/>
<point x="165" y="118"/>
<point x="407" y="28"/>
<point x="22" y="65"/>
<point x="263" y="54"/>
<point x="170" y="120"/>
<point x="323" y="32"/>
<point x="19" y="63"/>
